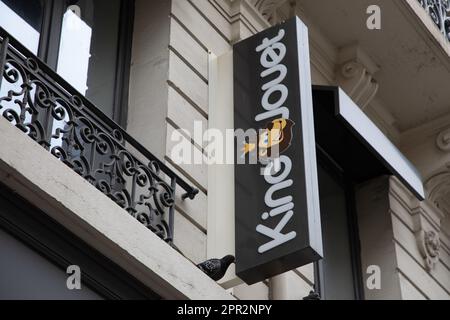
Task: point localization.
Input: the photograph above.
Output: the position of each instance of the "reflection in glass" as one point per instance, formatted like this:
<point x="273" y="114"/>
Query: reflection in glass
<point x="88" y="60"/>
<point x="74" y="51"/>
<point x="89" y="50"/>
<point x="23" y="20"/>
<point x="73" y="62"/>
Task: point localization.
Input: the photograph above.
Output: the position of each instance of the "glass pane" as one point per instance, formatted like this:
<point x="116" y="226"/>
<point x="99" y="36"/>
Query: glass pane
<point x="88" y="51"/>
<point x="74" y="51"/>
<point x="337" y="271"/>
<point x="23" y="20"/>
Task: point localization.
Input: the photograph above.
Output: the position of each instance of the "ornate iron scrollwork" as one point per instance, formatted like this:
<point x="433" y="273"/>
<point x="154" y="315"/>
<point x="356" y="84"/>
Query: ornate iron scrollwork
<point x="50" y="111"/>
<point x="439" y="11"/>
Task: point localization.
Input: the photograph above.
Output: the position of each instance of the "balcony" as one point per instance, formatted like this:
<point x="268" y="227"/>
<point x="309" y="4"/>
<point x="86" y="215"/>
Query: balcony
<point x="50" y="111"/>
<point x="439" y="11"/>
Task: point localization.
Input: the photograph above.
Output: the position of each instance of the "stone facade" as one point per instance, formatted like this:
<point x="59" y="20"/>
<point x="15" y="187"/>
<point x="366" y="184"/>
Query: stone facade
<point x="415" y="249"/>
<point x="181" y="75"/>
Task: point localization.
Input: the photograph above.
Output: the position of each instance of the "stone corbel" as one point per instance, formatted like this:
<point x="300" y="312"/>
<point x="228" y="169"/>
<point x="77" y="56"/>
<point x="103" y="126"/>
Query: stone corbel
<point x="355" y="74"/>
<point x="443" y="140"/>
<point x="275" y="11"/>
<point x="429" y="245"/>
<point x="427" y="221"/>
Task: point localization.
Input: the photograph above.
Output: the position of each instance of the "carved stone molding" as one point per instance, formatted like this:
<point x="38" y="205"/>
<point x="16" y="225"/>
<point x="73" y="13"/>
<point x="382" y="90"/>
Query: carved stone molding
<point x="275" y="11"/>
<point x="443" y="140"/>
<point x="244" y="18"/>
<point x="427" y="223"/>
<point x="438" y="189"/>
<point x="355" y="75"/>
<point x="429" y="245"/>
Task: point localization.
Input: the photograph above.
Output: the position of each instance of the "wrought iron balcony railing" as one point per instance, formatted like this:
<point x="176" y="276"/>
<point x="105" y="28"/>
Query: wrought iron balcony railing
<point x="439" y="11"/>
<point x="50" y="111"/>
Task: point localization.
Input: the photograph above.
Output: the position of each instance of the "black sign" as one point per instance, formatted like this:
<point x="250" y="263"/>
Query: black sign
<point x="277" y="203"/>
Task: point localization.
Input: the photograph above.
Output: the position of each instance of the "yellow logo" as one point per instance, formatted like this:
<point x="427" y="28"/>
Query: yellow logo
<point x="277" y="134"/>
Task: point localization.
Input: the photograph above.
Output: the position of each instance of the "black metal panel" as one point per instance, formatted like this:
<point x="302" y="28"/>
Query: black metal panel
<point x="353" y="141"/>
<point x="342" y="146"/>
<point x="124" y="62"/>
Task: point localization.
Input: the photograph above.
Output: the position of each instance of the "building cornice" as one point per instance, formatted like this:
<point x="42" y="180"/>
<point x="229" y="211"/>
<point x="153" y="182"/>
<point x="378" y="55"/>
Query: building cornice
<point x="419" y="134"/>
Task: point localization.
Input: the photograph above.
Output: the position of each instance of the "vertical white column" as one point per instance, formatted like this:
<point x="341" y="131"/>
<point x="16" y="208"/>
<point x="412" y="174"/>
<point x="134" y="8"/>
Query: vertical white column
<point x="220" y="241"/>
<point x="279" y="287"/>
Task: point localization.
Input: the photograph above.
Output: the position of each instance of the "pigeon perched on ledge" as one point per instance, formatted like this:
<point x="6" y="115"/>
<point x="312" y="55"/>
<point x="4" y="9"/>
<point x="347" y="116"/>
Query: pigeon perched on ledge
<point x="216" y="268"/>
<point x="312" y="296"/>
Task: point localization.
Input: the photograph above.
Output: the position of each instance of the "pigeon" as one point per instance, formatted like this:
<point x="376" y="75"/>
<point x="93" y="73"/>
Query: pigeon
<point x="216" y="268"/>
<point x="312" y="296"/>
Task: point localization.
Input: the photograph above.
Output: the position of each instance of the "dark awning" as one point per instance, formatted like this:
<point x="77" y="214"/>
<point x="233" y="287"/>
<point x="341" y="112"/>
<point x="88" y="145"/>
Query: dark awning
<point x="345" y="133"/>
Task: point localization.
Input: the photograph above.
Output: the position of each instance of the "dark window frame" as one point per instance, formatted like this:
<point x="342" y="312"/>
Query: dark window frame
<point x="50" y="36"/>
<point x="336" y="171"/>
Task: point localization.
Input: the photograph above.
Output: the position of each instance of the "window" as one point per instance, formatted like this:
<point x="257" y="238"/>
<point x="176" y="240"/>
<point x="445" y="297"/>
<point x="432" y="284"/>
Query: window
<point x="23" y="19"/>
<point x="338" y="275"/>
<point x="88" y="42"/>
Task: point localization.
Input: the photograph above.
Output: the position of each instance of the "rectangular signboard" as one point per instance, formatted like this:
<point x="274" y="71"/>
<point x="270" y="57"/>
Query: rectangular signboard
<point x="277" y="214"/>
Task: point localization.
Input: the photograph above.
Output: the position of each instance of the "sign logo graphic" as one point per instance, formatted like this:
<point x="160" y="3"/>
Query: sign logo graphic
<point x="273" y="140"/>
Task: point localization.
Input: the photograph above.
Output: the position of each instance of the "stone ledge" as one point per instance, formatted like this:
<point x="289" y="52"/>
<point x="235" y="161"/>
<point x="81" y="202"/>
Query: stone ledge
<point x="47" y="183"/>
